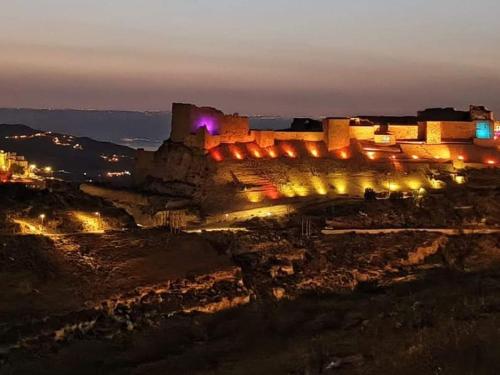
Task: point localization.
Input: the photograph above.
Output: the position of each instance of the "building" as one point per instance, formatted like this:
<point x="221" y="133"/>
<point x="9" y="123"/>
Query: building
<point x="14" y="164"/>
<point x="207" y="128"/>
<point x="217" y="161"/>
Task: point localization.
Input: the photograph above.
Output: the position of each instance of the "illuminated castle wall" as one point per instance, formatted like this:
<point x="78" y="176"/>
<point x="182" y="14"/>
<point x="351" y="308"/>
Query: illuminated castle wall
<point x="204" y="139"/>
<point x="207" y="128"/>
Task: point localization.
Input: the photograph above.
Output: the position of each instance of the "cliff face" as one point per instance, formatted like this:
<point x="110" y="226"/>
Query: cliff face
<point x="174" y="169"/>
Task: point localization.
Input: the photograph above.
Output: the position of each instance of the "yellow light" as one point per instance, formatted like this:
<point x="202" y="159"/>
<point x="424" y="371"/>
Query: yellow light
<point x="460" y="180"/>
<point x="318" y="185"/>
<point x="238" y="155"/>
<point x="393" y="157"/>
<point x="272" y="153"/>
<point x="257" y="154"/>
<point x="437" y="184"/>
<point x="33" y="166"/>
<point x="460" y="157"/>
<point x="301" y="190"/>
<point x="491" y="162"/>
<point x="290" y="153"/>
<point x="392" y="186"/>
<point x="343" y="154"/>
<point x="371" y="155"/>
<point x="42" y="216"/>
<point x="91" y="222"/>
<point x="47" y="169"/>
<point x="414" y="184"/>
<point x="366" y="183"/>
<point x="340" y="185"/>
<point x="414" y="157"/>
<point x="287" y="191"/>
<point x="254" y="196"/>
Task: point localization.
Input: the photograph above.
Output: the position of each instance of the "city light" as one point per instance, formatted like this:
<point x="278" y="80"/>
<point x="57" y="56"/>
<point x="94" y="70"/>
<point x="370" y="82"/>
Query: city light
<point x="490" y="162"/>
<point x="371" y="155"/>
<point x="460" y="157"/>
<point x="415" y="157"/>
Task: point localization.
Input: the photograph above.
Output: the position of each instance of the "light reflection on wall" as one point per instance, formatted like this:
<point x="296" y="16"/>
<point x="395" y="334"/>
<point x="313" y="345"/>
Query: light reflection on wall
<point x="287" y="190"/>
<point x="289" y="150"/>
<point x="313" y="149"/>
<point x="216" y="155"/>
<point x="319" y="185"/>
<point x="236" y="152"/>
<point x="340" y="184"/>
<point x="301" y="190"/>
<point x="254" y="196"/>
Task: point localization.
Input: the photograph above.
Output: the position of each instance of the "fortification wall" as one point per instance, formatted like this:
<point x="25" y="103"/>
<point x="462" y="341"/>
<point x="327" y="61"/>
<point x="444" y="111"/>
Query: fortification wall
<point x="188" y="119"/>
<point x="458" y="130"/>
<point x="470" y="152"/>
<point x="234" y="126"/>
<point x="264" y="138"/>
<point x="402" y="132"/>
<point x="336" y="133"/>
<point x="433" y="134"/>
<point x="362" y="133"/>
<point x="298" y="136"/>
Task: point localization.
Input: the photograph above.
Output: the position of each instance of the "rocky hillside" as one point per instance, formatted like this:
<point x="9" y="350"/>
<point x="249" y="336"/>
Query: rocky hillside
<point x="71" y="158"/>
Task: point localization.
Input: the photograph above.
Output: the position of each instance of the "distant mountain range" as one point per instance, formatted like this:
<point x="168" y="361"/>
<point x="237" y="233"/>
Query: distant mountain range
<point x="71" y="158"/>
<point x="135" y="129"/>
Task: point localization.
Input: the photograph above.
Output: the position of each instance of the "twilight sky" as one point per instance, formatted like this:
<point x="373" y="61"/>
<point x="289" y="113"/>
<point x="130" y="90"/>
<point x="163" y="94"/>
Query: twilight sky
<point x="286" y="57"/>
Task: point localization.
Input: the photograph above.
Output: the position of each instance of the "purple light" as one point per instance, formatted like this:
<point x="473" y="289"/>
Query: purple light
<point x="208" y="123"/>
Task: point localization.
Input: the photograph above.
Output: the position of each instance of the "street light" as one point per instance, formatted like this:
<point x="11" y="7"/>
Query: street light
<point x="42" y="218"/>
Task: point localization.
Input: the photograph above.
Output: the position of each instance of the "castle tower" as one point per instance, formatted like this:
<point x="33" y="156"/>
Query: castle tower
<point x="336" y="133"/>
<point x="433" y="132"/>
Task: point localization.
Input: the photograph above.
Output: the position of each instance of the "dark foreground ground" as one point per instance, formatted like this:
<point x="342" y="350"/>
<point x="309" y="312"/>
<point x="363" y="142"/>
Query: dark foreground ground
<point x="266" y="301"/>
<point x="424" y="306"/>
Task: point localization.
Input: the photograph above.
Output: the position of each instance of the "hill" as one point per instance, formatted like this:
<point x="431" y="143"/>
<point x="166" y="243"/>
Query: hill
<point x="72" y="158"/>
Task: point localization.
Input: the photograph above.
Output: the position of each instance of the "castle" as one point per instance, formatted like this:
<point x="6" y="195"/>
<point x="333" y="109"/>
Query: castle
<point x="213" y="158"/>
<point x="210" y="130"/>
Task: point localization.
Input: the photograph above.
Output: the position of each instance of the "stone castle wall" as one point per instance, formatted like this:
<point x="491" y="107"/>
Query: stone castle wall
<point x="404" y="132"/>
<point x="336" y="133"/>
<point x="458" y="130"/>
<point x="433" y="132"/>
<point x="362" y="133"/>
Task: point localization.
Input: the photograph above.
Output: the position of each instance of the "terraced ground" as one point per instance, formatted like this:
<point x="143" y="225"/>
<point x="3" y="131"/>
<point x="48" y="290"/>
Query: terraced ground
<point x="256" y="302"/>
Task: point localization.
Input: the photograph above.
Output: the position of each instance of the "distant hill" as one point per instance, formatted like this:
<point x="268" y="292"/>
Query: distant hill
<point x="135" y="129"/>
<point x="73" y="158"/>
<point x="121" y="127"/>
